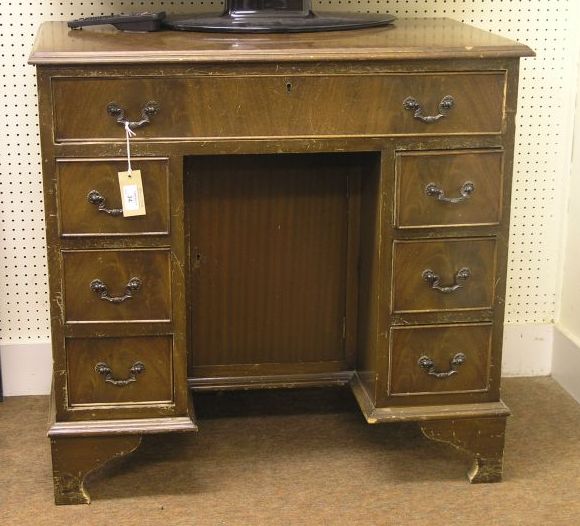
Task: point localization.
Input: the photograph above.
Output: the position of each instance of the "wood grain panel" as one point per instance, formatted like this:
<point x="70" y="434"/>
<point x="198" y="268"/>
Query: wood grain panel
<point x="269" y="249"/>
<point x="449" y="171"/>
<point x="115" y="268"/>
<point x="410" y="292"/>
<point x="87" y="387"/>
<point x="272" y="105"/>
<point x="77" y="216"/>
<point x="441" y="344"/>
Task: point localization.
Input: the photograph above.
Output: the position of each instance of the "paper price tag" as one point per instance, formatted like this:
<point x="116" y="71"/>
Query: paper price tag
<point x="132" y="197"/>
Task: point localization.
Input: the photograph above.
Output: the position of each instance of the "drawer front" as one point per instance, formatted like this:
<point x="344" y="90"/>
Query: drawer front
<point x="89" y="197"/>
<point x="281" y="105"/>
<point x="439" y="359"/>
<point x="451" y="274"/>
<point x="117" y="285"/>
<point x="448" y="188"/>
<point x="131" y="370"/>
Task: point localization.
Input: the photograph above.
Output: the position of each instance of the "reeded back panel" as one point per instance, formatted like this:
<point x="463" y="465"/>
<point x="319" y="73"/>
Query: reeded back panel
<point x="268" y="261"/>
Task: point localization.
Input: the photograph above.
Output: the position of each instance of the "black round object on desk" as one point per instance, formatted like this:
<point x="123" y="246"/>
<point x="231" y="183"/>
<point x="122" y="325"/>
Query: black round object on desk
<point x="274" y="16"/>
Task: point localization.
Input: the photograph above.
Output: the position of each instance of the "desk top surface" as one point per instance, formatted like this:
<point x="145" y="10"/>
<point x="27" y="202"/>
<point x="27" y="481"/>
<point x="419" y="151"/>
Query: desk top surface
<point x="408" y="39"/>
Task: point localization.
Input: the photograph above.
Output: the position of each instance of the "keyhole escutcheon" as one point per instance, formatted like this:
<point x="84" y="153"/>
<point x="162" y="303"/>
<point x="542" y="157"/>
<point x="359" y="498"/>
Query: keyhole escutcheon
<point x="289" y="87"/>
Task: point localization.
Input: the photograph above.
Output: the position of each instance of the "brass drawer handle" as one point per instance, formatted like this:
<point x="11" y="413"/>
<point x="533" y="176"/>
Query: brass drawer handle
<point x="103" y="369"/>
<point x="412" y="104"/>
<point x="465" y="192"/>
<point x="96" y="198"/>
<point x="99" y="288"/>
<point x="434" y="280"/>
<point x="429" y="365"/>
<point x="150" y="109"/>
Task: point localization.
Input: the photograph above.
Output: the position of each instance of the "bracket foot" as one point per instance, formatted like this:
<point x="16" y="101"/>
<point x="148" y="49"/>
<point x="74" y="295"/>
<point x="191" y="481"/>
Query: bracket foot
<point x="482" y="438"/>
<point x="73" y="458"/>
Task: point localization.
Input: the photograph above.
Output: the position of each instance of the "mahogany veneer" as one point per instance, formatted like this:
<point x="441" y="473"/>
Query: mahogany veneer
<point x="322" y="209"/>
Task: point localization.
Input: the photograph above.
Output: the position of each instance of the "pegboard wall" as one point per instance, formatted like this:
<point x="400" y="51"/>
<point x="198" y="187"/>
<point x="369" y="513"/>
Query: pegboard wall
<point x="545" y="120"/>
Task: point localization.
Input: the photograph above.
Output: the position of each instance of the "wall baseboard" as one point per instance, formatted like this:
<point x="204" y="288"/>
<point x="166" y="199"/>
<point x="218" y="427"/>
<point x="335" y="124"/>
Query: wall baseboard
<point x="566" y="361"/>
<point x="27" y="366"/>
<point x="527" y="349"/>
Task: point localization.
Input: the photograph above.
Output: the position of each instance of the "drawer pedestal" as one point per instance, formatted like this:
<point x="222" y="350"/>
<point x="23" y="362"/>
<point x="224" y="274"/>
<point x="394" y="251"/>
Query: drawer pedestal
<point x="320" y="211"/>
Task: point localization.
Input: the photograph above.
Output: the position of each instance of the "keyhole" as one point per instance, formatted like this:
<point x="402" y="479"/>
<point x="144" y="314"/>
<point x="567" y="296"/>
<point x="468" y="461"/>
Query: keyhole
<point x="197" y="259"/>
<point x="288" y="87"/>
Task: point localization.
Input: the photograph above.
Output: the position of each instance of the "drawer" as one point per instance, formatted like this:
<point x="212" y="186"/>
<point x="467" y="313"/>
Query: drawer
<point x="450" y="274"/>
<point x="457" y="188"/>
<point x="133" y="370"/>
<point x="273" y="105"/>
<point x="89" y="199"/>
<point x="439" y="359"/>
<point x="117" y="285"/>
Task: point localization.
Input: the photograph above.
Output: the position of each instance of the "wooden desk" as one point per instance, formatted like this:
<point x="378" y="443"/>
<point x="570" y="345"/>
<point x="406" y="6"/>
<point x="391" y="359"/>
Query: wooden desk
<point x="322" y="209"/>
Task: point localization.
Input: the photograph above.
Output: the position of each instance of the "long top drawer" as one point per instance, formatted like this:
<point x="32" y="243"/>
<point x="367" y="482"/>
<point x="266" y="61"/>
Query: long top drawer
<point x="279" y="105"/>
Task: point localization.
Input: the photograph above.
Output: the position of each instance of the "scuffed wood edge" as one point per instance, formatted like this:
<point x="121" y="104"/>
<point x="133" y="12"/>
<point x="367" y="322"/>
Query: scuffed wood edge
<point x="71" y="465"/>
<point x="362" y="397"/>
<point x="438" y="412"/>
<point x="485" y="471"/>
<point x="197" y="57"/>
<point x="482" y="438"/>
<point x="379" y="415"/>
<point x="122" y="427"/>
<point x="282" y="381"/>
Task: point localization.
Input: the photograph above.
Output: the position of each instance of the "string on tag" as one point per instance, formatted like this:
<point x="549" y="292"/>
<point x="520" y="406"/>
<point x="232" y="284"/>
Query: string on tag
<point x="128" y="134"/>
